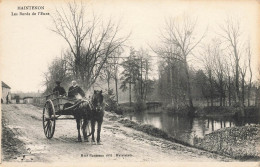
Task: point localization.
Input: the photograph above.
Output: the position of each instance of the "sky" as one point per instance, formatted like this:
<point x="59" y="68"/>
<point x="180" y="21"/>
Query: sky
<point x="28" y="46"/>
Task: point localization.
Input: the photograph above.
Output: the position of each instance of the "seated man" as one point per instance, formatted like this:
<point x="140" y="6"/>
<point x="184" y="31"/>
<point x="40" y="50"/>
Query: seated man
<point x="75" y="91"/>
<point x="58" y="90"/>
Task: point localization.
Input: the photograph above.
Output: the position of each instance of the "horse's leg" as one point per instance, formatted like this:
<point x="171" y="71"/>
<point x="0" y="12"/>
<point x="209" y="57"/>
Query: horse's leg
<point x="85" y="123"/>
<point x="78" y="127"/>
<point x="93" y="129"/>
<point x="98" y="130"/>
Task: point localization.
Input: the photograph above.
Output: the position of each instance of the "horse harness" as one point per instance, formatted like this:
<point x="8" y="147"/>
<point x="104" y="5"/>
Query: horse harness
<point x="97" y="106"/>
<point x="94" y="106"/>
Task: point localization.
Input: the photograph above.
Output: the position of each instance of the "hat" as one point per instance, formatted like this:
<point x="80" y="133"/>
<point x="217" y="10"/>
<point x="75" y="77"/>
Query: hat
<point x="58" y="82"/>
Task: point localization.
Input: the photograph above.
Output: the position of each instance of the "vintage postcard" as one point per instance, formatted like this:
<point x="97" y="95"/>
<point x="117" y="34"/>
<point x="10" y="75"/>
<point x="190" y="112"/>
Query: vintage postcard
<point x="121" y="82"/>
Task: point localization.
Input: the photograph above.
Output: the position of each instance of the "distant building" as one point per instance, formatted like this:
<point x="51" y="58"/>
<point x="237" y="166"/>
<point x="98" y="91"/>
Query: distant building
<point x="16" y="99"/>
<point x="6" y="93"/>
<point x="28" y="100"/>
<point x="20" y="97"/>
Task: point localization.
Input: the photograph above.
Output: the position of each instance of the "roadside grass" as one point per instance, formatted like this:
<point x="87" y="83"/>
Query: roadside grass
<point x="12" y="147"/>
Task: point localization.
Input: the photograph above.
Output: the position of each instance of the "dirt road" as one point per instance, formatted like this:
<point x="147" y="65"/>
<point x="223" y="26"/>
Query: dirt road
<point x="24" y="140"/>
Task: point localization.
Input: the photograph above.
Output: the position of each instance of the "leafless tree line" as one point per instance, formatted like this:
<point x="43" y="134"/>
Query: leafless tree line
<point x="227" y="69"/>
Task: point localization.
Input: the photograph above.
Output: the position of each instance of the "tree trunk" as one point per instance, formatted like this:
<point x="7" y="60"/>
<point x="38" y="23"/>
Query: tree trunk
<point x="189" y="86"/>
<point x="237" y="73"/>
<point x="171" y="84"/>
<point x="108" y="84"/>
<point x="229" y="91"/>
<point x="141" y="79"/>
<point x="220" y="99"/>
<point x="257" y="97"/>
<point x="130" y="100"/>
<point x="249" y="87"/>
<point x="177" y="84"/>
<point x="146" y="79"/>
<point x="221" y="92"/>
<point x="243" y="91"/>
<point x="116" y="84"/>
<point x="224" y="97"/>
<point x="211" y="90"/>
<point x="248" y="95"/>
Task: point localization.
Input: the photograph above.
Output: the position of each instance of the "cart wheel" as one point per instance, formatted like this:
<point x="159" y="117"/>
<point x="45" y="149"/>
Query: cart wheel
<point x="48" y="119"/>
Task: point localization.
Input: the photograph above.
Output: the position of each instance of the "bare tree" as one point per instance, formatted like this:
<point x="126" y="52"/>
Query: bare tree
<point x="169" y="55"/>
<point x="243" y="74"/>
<point x="229" y="82"/>
<point x="208" y="63"/>
<point x="219" y="69"/>
<point x="144" y="69"/>
<point x="110" y="70"/>
<point x="257" y="90"/>
<point x="250" y="74"/>
<point x="231" y="35"/>
<point x="183" y="36"/>
<point x="115" y="66"/>
<point x="90" y="40"/>
<point x="107" y="73"/>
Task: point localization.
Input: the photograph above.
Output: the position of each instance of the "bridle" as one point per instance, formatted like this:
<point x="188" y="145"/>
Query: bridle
<point x="97" y="104"/>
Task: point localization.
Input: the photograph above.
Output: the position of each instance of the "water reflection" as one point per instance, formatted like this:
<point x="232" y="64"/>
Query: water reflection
<point x="186" y="128"/>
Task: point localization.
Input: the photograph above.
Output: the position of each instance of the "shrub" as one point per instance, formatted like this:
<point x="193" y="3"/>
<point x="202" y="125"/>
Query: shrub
<point x="139" y="105"/>
<point x="111" y="102"/>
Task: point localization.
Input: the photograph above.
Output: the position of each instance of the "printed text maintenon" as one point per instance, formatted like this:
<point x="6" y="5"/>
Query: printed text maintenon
<point x="30" y="8"/>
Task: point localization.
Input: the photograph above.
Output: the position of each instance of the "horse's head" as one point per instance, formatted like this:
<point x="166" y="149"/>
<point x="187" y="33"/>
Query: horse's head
<point x="97" y="100"/>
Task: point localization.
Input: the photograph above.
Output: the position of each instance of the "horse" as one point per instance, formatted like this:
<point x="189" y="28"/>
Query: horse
<point x="97" y="113"/>
<point x="82" y="112"/>
<point x="88" y="111"/>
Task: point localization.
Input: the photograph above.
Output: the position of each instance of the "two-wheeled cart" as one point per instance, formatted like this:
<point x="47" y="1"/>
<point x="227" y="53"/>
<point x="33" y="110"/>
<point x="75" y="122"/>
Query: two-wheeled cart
<point x="53" y="109"/>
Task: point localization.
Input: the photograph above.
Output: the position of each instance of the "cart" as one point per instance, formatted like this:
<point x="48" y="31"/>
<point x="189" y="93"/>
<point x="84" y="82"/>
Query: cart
<point x="53" y="109"/>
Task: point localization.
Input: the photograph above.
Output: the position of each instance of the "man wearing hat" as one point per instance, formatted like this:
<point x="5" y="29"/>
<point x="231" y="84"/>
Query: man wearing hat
<point x="58" y="90"/>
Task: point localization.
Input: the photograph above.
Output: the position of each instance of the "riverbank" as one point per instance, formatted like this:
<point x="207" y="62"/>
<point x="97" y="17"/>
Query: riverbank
<point x="207" y="112"/>
<point x="221" y="111"/>
<point x="236" y="142"/>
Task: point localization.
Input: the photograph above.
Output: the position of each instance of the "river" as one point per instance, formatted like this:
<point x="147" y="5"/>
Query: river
<point x="186" y="128"/>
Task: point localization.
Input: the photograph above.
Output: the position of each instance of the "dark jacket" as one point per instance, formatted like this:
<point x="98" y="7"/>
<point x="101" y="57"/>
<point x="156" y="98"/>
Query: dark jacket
<point x="73" y="91"/>
<point x="60" y="90"/>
